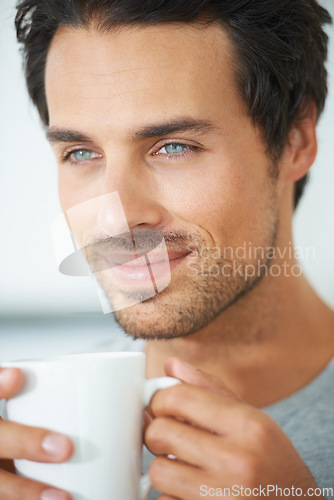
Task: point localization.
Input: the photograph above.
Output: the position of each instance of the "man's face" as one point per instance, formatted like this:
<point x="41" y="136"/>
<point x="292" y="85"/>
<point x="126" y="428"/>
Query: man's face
<point x="205" y="187"/>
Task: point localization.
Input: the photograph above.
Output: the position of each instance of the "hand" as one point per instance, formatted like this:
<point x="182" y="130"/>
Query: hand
<point x="31" y="443"/>
<point x="218" y="440"/>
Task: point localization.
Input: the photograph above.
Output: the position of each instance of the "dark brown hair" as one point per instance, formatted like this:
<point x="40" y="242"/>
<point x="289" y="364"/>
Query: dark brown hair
<point x="281" y="49"/>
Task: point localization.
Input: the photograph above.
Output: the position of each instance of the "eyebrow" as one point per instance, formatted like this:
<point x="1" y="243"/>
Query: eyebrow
<point x="179" y="125"/>
<point x="155" y="130"/>
<point x="64" y="135"/>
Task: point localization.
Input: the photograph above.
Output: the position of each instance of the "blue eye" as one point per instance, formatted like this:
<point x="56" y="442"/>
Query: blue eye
<point x="175" y="148"/>
<point x="84" y="155"/>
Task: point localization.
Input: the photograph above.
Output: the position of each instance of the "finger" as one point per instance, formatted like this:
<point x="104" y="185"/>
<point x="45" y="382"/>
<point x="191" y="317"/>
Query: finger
<point x="19" y="488"/>
<point x="32" y="443"/>
<point x="11" y="381"/>
<point x="203" y="408"/>
<point x="175" y="479"/>
<point x="168" y="436"/>
<point x="175" y="367"/>
<point x="207" y="453"/>
<point x="147" y="420"/>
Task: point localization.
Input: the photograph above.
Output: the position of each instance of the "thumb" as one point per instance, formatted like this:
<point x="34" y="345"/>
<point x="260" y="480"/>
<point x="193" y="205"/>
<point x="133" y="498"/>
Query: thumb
<point x="175" y="367"/>
<point x="11" y="381"/>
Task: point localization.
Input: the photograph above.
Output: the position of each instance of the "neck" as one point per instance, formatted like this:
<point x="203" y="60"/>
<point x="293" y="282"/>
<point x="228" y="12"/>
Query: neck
<point x="266" y="346"/>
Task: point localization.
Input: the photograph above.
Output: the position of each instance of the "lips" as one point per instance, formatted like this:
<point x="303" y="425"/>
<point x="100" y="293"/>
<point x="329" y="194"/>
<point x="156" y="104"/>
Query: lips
<point x="138" y="261"/>
<point x="135" y="260"/>
<point x="142" y="274"/>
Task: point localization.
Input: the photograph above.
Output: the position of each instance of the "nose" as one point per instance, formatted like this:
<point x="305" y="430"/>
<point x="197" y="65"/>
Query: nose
<point x="111" y="217"/>
<point x="129" y="201"/>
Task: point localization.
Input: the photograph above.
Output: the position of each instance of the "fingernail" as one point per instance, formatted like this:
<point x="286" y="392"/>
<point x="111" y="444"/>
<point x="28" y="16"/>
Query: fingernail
<point x="56" y="445"/>
<point x="54" y="495"/>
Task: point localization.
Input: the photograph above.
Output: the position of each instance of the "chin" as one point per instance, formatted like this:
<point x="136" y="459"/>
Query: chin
<point x="160" y="319"/>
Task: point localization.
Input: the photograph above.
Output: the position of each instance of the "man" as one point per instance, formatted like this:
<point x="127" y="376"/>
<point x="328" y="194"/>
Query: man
<point x="202" y="116"/>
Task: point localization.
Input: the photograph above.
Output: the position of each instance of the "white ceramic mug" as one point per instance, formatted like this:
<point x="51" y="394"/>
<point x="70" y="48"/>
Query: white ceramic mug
<point x="98" y="401"/>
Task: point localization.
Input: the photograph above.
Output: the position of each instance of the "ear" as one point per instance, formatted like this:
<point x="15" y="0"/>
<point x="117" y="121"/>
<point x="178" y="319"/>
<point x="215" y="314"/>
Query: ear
<point x="301" y="148"/>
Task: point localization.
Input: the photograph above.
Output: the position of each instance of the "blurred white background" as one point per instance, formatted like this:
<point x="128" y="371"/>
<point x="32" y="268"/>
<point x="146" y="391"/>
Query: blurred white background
<point x="29" y="281"/>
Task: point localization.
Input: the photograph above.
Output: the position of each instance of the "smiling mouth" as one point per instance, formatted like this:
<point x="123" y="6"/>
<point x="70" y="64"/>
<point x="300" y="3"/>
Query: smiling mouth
<point x="144" y="261"/>
<point x="145" y="271"/>
<point x="101" y="261"/>
<point x="142" y="258"/>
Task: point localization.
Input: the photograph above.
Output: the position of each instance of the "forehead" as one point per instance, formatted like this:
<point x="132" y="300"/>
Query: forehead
<point x="93" y="76"/>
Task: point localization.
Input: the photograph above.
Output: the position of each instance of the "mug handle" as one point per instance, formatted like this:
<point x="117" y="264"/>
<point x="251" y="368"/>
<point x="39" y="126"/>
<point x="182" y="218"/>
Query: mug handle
<point x="151" y="386"/>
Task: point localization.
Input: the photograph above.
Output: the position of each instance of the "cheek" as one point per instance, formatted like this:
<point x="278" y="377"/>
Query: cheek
<point x="75" y="187"/>
<point x="72" y="196"/>
<point x="68" y="196"/>
<point x="229" y="202"/>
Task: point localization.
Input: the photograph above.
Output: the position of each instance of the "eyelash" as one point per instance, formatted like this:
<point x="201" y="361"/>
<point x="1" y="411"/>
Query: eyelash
<point x="189" y="148"/>
<point x="66" y="156"/>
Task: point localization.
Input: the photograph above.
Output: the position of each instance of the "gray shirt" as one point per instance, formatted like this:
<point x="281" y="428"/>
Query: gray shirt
<point x="307" y="417"/>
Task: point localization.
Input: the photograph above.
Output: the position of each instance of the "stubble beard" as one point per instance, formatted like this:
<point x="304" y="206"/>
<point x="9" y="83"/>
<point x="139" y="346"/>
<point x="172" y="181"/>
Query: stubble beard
<point x="197" y="296"/>
<point x="201" y="298"/>
<point x="190" y="304"/>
